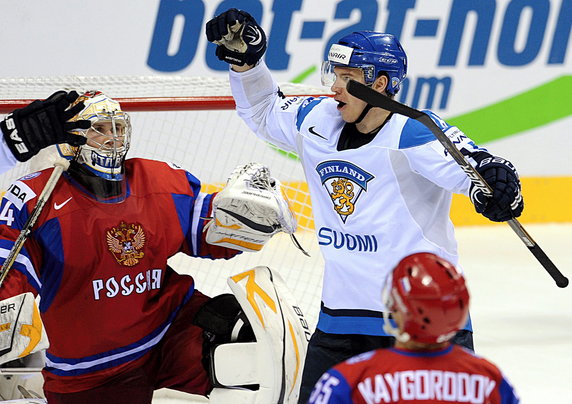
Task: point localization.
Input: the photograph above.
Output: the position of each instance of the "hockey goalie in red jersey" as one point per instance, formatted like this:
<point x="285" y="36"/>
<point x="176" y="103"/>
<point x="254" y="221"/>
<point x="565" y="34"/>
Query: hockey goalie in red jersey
<point x="120" y="321"/>
<point x="429" y="302"/>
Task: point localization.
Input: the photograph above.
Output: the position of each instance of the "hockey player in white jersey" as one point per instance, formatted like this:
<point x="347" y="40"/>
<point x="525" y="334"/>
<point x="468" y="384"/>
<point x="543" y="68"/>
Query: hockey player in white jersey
<point x="381" y="184"/>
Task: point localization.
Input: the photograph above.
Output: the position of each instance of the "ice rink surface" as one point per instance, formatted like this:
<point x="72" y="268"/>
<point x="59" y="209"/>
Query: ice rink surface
<point x="522" y="320"/>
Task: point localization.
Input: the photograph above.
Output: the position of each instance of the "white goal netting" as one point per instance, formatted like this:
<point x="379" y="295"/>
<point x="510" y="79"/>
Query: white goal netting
<point x="209" y="143"/>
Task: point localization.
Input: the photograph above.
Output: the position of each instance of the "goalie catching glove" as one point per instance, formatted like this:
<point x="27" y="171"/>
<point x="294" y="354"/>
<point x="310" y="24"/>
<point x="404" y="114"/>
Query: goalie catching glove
<point x="249" y="210"/>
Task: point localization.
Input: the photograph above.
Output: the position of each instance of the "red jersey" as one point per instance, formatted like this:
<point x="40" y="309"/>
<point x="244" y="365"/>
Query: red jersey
<point x="107" y="294"/>
<point x="449" y="375"/>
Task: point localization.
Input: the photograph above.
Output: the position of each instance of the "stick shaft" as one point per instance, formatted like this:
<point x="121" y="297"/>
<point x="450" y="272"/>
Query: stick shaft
<point x="377" y="99"/>
<point x="19" y="371"/>
<point x="59" y="167"/>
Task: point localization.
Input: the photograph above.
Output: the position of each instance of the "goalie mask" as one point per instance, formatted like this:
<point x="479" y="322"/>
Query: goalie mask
<point x="100" y="161"/>
<point x="430" y="298"/>
<point x="108" y="138"/>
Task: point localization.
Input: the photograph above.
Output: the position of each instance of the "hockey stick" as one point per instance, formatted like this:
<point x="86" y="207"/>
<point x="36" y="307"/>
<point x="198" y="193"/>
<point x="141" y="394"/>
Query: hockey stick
<point x="19" y="371"/>
<point x="377" y="99"/>
<point x="59" y="167"/>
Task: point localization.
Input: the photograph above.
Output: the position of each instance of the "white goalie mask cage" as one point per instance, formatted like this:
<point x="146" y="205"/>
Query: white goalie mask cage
<point x="109" y="137"/>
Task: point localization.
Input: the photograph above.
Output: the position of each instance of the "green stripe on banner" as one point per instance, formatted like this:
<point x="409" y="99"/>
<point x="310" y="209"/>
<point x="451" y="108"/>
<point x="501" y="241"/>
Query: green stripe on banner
<point x="533" y="108"/>
<point x="304" y="75"/>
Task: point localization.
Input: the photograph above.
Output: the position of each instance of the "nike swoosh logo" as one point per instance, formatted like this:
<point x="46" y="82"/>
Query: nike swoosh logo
<point x="61" y="205"/>
<point x="313" y="132"/>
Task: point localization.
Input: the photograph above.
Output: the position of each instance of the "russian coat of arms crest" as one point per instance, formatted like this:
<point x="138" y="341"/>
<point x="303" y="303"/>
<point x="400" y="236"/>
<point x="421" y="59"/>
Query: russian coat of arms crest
<point x="125" y="242"/>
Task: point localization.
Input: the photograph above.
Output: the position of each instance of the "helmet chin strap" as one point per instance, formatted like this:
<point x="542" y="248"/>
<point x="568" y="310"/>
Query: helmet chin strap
<point x="392" y="330"/>
<point x="360" y="118"/>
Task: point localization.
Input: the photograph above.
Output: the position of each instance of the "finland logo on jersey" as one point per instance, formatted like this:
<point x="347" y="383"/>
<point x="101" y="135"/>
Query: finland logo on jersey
<point x="344" y="182"/>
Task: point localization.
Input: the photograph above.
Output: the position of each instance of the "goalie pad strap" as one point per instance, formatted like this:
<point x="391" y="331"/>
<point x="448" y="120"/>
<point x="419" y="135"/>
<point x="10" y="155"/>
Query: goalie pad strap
<point x="233" y="364"/>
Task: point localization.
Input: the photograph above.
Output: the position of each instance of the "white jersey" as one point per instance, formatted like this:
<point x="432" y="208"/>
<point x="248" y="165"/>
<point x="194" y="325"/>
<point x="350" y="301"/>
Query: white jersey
<point x="7" y="159"/>
<point x="372" y="205"/>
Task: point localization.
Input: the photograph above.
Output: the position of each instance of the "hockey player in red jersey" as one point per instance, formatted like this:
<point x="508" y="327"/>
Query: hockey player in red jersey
<point x="120" y="321"/>
<point x="429" y="303"/>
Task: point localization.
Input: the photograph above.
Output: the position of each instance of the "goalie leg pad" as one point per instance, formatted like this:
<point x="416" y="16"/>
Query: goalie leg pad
<point x="271" y="367"/>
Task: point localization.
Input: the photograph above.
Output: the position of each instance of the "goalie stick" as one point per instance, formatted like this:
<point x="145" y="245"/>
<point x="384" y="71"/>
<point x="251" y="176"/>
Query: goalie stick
<point x="377" y="99"/>
<point x="60" y="166"/>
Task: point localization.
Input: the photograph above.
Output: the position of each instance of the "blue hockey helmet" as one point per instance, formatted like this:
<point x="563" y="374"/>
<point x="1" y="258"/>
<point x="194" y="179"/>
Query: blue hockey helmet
<point x="373" y="52"/>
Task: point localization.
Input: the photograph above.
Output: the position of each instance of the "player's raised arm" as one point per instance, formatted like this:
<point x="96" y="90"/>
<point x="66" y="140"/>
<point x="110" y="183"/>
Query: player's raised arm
<point x="41" y="124"/>
<point x="241" y="41"/>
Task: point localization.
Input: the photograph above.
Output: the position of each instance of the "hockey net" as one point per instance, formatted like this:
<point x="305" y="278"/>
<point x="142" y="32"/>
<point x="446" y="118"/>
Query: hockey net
<point x="190" y="121"/>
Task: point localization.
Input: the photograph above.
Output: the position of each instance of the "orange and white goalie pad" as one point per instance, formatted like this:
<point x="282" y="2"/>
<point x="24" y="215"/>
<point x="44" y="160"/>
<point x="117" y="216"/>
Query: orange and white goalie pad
<point x="21" y="329"/>
<point x="275" y="361"/>
<point x="249" y="210"/>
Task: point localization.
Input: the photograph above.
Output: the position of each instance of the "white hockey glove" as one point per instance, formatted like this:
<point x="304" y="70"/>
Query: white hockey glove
<point x="249" y="210"/>
<point x="21" y="329"/>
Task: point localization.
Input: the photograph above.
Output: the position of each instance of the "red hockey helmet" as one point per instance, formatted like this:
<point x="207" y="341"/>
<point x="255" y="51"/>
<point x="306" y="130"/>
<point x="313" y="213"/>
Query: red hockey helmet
<point x="430" y="295"/>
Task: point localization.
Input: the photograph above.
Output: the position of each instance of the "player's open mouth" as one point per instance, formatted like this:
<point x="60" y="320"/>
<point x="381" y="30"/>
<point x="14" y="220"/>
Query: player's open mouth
<point x="341" y="104"/>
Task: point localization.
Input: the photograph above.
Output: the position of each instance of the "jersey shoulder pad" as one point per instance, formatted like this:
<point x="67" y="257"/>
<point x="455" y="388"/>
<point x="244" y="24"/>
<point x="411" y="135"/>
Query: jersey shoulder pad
<point x="153" y="176"/>
<point x="414" y="133"/>
<point x="306" y="106"/>
<point x="26" y="188"/>
<point x="477" y="361"/>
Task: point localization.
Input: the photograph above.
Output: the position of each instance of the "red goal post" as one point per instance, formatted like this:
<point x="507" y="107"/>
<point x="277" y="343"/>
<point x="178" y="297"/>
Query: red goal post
<point x="140" y="104"/>
<point x="190" y="121"/>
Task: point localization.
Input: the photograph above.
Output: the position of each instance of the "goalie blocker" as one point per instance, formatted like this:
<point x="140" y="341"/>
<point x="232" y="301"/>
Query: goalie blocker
<point x="256" y="341"/>
<point x="249" y="210"/>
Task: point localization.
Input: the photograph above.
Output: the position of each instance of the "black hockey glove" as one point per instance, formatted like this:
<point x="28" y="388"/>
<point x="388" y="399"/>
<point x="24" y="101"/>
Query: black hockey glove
<point x="239" y="38"/>
<point x="43" y="123"/>
<point x="223" y="321"/>
<point x="506" y="202"/>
